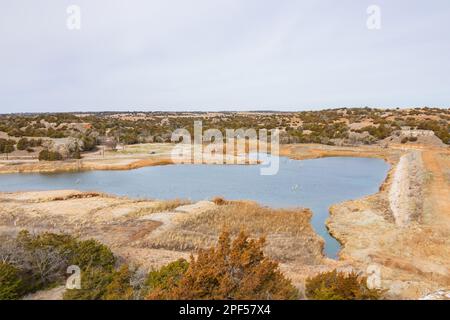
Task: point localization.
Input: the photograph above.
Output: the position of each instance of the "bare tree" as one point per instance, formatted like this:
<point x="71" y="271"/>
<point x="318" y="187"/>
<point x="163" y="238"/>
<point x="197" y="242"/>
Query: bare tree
<point x="10" y="252"/>
<point x="48" y="263"/>
<point x="137" y="281"/>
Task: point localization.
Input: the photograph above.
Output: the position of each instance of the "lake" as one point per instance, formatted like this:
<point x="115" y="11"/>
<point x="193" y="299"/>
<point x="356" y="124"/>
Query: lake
<point x="314" y="184"/>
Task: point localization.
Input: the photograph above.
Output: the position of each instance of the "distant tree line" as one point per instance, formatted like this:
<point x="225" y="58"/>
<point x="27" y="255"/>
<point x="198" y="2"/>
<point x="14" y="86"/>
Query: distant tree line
<point x="323" y="126"/>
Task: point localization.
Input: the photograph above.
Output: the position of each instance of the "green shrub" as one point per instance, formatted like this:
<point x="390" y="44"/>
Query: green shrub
<point x="46" y="155"/>
<point x="48" y="255"/>
<point x="91" y="253"/>
<point x="120" y="286"/>
<point x="10" y="282"/>
<point x="30" y="242"/>
<point x="236" y="270"/>
<point x="380" y="132"/>
<point x="83" y="253"/>
<point x="130" y="138"/>
<point x="103" y="284"/>
<point x="161" y="282"/>
<point x="22" y="144"/>
<point x="7" y="146"/>
<point x="89" y="143"/>
<point x="335" y="285"/>
<point x="94" y="283"/>
<point x="56" y="134"/>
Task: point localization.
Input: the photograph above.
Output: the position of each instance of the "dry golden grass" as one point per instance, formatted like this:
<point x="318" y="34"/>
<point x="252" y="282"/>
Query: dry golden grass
<point x="288" y="232"/>
<point x="148" y="163"/>
<point x="78" y="196"/>
<point x="159" y="206"/>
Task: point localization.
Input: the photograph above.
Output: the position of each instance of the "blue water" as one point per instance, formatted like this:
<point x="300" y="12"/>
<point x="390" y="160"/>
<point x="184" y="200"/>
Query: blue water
<point x="314" y="184"/>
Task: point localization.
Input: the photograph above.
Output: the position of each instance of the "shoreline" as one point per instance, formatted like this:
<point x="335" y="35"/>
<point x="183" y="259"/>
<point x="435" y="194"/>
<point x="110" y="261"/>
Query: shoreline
<point x="292" y="151"/>
<point x="366" y="227"/>
<point x="295" y="152"/>
<point x="394" y="231"/>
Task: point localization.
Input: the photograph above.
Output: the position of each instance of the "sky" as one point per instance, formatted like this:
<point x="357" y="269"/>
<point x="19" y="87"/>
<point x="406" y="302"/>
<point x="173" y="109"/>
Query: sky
<point x="178" y="55"/>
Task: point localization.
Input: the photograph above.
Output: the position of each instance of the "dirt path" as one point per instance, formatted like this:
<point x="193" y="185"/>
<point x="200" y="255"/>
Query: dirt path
<point x="406" y="189"/>
<point x="437" y="163"/>
<point x="167" y="218"/>
<point x="51" y="294"/>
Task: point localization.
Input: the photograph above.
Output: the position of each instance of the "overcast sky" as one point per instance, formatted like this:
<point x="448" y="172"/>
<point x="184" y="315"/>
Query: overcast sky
<point x="222" y="55"/>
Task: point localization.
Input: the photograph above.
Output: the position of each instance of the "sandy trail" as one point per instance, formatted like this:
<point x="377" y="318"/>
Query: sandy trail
<point x="437" y="164"/>
<point x="406" y="188"/>
<point x="167" y="218"/>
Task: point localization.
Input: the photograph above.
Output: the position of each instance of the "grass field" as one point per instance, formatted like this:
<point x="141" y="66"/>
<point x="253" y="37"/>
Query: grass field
<point x="288" y="232"/>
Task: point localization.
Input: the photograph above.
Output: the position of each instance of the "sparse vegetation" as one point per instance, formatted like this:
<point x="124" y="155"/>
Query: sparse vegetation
<point x="332" y="126"/>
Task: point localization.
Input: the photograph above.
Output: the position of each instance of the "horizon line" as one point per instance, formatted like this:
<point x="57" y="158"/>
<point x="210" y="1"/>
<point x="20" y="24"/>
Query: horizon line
<point x="223" y="111"/>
